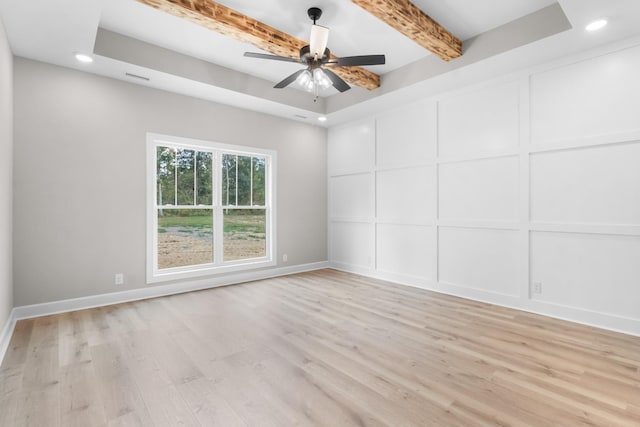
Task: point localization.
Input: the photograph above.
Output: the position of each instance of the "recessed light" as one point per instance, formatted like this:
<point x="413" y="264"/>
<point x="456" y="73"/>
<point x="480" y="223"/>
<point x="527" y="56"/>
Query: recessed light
<point x="322" y="119"/>
<point x="84" y="58"/>
<point x="596" y="25"/>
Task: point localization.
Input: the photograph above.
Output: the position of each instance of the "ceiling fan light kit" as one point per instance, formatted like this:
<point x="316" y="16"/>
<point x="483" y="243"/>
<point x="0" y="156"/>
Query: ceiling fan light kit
<point x="316" y="56"/>
<point x="315" y="79"/>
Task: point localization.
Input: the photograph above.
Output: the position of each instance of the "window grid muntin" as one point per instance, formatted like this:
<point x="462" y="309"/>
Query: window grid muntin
<point x="217" y="206"/>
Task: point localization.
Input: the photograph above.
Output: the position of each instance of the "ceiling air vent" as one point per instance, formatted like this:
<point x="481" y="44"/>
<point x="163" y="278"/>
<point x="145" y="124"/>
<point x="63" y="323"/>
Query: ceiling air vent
<point x="135" y="76"/>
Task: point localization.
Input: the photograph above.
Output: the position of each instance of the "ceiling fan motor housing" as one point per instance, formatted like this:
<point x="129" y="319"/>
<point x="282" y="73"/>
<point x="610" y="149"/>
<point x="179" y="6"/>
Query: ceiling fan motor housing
<point x="305" y="57"/>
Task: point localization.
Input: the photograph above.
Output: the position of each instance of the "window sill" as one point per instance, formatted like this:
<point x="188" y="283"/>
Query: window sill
<point x="206" y="270"/>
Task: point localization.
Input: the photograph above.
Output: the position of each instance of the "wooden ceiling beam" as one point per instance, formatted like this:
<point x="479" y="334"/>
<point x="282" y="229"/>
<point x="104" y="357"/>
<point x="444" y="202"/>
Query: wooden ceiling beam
<point x="229" y="22"/>
<point x="408" y="19"/>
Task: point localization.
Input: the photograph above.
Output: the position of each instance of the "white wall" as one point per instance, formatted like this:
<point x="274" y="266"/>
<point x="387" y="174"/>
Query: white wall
<point x="533" y="177"/>
<point x="80" y="177"/>
<point x="6" y="180"/>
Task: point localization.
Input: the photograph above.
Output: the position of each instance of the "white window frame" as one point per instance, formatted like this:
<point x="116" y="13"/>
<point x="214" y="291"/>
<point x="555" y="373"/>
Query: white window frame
<point x="218" y="266"/>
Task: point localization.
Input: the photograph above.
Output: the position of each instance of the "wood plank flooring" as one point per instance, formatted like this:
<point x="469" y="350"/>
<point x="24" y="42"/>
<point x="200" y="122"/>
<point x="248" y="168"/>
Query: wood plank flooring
<point x="324" y="348"/>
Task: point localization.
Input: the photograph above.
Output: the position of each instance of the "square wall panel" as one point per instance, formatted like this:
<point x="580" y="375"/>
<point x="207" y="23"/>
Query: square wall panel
<point x="482" y="259"/>
<point x="482" y="121"/>
<point x="405" y="194"/>
<point x="351" y="196"/>
<point x="351" y="148"/>
<point x="479" y="190"/>
<point x="352" y="243"/>
<point x="588" y="271"/>
<point x="405" y="250"/>
<point x="404" y="137"/>
<point x="596" y="97"/>
<point x="598" y="185"/>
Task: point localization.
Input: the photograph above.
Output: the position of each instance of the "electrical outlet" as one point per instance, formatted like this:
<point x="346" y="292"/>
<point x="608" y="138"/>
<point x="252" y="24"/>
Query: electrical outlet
<point x="285" y="258"/>
<point x="536" y="287"/>
<point x="119" y="279"/>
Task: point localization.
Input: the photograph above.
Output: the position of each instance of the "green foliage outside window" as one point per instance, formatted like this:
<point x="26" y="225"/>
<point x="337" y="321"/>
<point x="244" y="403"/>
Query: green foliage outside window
<point x="243" y="176"/>
<point x="186" y="179"/>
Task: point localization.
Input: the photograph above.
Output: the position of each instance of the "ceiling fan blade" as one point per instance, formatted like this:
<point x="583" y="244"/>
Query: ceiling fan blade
<point x="273" y="57"/>
<point x="348" y="61"/>
<point x="292" y="78"/>
<point x="318" y="40"/>
<point x="338" y="83"/>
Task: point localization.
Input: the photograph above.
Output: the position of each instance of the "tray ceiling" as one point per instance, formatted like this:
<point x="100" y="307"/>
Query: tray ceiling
<point x="53" y="30"/>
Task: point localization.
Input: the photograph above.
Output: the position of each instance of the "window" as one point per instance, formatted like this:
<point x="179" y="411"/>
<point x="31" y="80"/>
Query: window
<point x="209" y="208"/>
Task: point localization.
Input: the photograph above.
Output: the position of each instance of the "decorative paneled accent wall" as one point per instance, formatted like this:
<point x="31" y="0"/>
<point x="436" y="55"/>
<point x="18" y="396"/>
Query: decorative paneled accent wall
<point x="522" y="191"/>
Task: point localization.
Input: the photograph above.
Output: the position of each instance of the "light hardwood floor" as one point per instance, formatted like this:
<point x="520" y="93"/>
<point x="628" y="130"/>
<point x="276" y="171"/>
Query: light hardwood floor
<point x="317" y="349"/>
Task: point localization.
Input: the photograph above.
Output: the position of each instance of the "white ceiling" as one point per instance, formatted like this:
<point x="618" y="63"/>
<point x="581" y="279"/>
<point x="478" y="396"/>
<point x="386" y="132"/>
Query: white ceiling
<point x="52" y="30"/>
<point x="353" y="31"/>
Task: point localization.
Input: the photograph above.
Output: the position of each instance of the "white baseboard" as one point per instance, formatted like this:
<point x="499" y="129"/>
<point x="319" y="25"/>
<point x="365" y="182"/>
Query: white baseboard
<point x="400" y="279"/>
<point x="5" y="335"/>
<point x="153" y="291"/>
<point x="600" y="320"/>
<point x="596" y="319"/>
<point x="47" y="308"/>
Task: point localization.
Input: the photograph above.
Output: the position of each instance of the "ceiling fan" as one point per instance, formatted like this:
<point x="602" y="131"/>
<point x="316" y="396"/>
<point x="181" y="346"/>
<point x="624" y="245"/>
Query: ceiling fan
<point x="317" y="58"/>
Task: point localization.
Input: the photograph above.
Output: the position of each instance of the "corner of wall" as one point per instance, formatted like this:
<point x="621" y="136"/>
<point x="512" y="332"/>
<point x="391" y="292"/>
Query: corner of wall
<point x="6" y="191"/>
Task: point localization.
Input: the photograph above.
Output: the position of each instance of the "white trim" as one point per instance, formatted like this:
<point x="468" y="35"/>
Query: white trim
<point x="362" y="270"/>
<point x="217" y="266"/>
<point x="402" y="167"/>
<point x="586" y="228"/>
<point x="594" y="319"/>
<point x="44" y="309"/>
<point x="581" y="316"/>
<point x="404" y="279"/>
<point x="341" y="175"/>
<point x="470" y="288"/>
<point x="365" y="220"/>
<point x="589" y="141"/>
<point x="524" y="224"/>
<point x="428" y="222"/>
<point x="5" y="335"/>
<point x="511" y="225"/>
<point x="193" y="271"/>
<point x="63" y="306"/>
<point x="498" y="154"/>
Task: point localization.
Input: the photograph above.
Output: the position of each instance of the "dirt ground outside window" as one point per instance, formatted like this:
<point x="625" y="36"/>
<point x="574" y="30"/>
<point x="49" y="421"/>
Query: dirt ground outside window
<point x="186" y="241"/>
